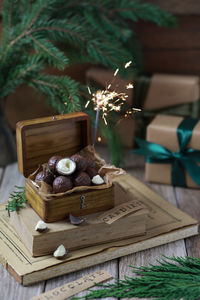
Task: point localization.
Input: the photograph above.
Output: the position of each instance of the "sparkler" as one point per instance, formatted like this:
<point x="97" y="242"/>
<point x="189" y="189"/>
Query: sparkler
<point x="107" y="101"/>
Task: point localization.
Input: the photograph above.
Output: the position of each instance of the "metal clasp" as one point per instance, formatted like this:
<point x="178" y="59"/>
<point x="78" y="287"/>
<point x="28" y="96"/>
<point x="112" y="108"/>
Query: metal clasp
<point x="83" y="205"/>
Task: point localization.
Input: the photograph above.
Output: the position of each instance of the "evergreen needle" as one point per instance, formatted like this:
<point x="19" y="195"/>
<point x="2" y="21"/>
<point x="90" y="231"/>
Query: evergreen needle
<point x="58" y="33"/>
<point x="173" y="278"/>
<point x="16" y="199"/>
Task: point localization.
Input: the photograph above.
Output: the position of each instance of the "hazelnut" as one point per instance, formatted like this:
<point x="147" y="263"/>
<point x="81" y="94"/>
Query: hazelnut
<point x="97" y="180"/>
<point x="91" y="172"/>
<point x="90" y="163"/>
<point x="62" y="184"/>
<point x="53" y="161"/>
<point x="41" y="226"/>
<point x="81" y="162"/>
<point x="45" y="176"/>
<point x="65" y="166"/>
<point x="81" y="179"/>
<point x="60" y="252"/>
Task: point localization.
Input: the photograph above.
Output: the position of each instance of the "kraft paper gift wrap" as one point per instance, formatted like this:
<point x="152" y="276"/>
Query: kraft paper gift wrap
<point x="172" y="150"/>
<point x="167" y="90"/>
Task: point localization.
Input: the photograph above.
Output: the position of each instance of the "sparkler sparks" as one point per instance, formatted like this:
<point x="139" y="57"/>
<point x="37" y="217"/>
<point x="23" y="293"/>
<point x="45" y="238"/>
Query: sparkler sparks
<point x="89" y="90"/>
<point x="86" y="105"/>
<point x="128" y="64"/>
<point x="107" y="101"/>
<point x="131" y="111"/>
<point x="129" y="86"/>
<point x="116" y="71"/>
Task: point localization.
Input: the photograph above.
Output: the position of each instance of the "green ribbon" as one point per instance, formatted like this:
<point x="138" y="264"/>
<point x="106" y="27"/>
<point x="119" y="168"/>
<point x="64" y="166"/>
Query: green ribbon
<point x="184" y="158"/>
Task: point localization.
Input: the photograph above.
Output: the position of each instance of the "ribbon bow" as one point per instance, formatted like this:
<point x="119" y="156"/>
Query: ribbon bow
<point x="184" y="158"/>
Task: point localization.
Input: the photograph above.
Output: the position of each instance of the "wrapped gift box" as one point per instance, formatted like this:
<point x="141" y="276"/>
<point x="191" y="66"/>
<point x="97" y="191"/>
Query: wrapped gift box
<point x="163" y="131"/>
<point x="167" y="90"/>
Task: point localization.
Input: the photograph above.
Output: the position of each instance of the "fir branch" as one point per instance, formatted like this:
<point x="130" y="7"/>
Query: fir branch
<point x="17" y="76"/>
<point x="174" y="278"/>
<point x="62" y="91"/>
<point x="38" y="12"/>
<point x="51" y="54"/>
<point x="90" y="31"/>
<point x="16" y="199"/>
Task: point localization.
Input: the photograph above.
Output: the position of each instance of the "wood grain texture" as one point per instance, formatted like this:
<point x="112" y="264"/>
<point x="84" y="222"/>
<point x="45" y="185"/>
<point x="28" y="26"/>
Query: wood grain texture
<point x="37" y="141"/>
<point x="188" y="201"/>
<point x="111" y="267"/>
<point x="11" y="178"/>
<point x="179" y="7"/>
<point x="1" y="174"/>
<point x="10" y="288"/>
<point x="92" y="232"/>
<point x="55" y="209"/>
<point x="146" y="257"/>
<point x="171" y="50"/>
<point x="184" y="36"/>
<point x="176" y="62"/>
<point x="41" y="138"/>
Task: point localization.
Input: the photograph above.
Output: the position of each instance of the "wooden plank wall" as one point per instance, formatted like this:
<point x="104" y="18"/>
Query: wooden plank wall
<point x="178" y="7"/>
<point x="174" y="50"/>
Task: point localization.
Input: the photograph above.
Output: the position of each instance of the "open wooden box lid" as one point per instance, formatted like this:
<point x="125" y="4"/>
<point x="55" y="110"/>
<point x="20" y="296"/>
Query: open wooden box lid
<point x="39" y="139"/>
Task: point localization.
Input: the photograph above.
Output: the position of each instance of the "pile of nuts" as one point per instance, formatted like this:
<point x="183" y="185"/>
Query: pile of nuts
<point x="64" y="173"/>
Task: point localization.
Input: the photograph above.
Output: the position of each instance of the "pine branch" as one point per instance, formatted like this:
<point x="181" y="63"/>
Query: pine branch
<point x="135" y="10"/>
<point x="16" y="199"/>
<point x="18" y="75"/>
<point x="90" y="31"/>
<point x="173" y="278"/>
<point x="42" y="6"/>
<point x="62" y="91"/>
<point x="51" y="54"/>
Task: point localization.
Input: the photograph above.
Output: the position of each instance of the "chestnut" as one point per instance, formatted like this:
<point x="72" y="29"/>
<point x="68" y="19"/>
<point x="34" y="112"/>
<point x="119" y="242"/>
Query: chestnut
<point x="52" y="162"/>
<point x="90" y="163"/>
<point x="82" y="179"/>
<point x="62" y="184"/>
<point x="81" y="162"/>
<point x="45" y="176"/>
<point x="91" y="172"/>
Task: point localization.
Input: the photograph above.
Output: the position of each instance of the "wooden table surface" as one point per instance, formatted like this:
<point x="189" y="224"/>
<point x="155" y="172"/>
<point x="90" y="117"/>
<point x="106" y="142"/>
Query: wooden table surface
<point x="186" y="199"/>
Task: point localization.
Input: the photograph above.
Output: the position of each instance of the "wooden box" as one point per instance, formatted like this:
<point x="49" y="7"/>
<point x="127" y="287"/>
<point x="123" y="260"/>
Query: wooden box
<point x="37" y="141"/>
<point x="93" y="231"/>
